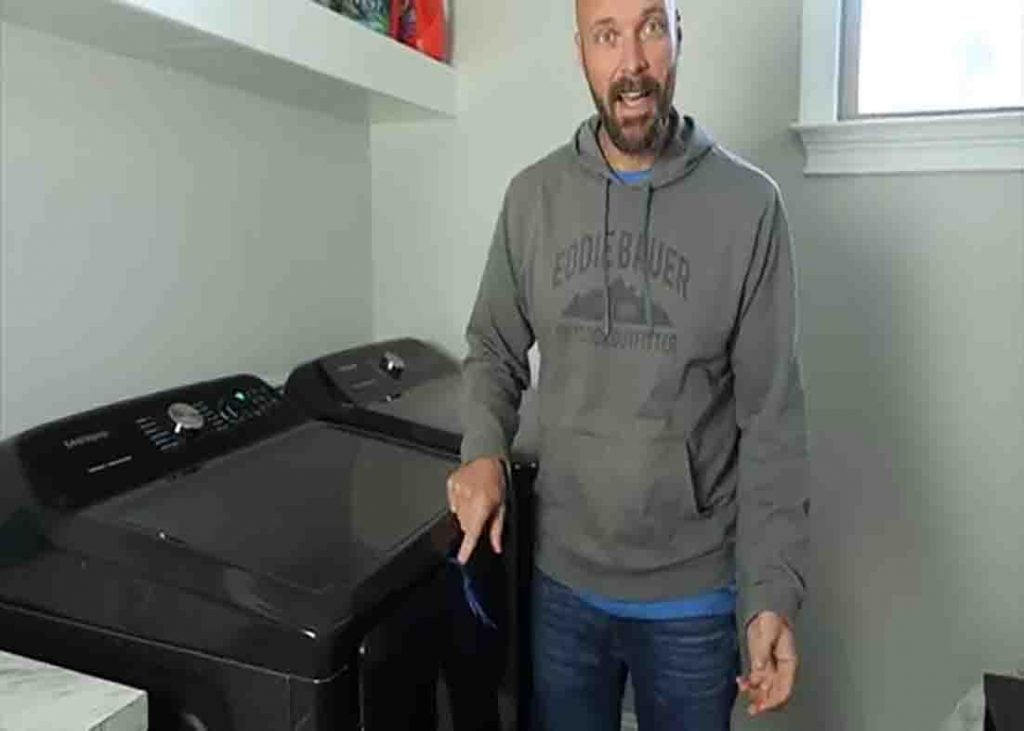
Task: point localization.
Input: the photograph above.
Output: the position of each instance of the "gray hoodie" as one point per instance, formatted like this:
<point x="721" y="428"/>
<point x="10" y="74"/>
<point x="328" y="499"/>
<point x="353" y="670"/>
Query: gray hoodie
<point x="672" y="439"/>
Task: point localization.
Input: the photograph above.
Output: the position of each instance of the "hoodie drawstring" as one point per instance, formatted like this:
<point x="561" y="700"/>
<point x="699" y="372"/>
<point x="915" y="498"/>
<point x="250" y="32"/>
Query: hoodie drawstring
<point x="604" y="259"/>
<point x="645" y="264"/>
<point x="648" y="258"/>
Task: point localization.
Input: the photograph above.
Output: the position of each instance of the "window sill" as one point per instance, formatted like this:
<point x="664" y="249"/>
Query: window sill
<point x="952" y="143"/>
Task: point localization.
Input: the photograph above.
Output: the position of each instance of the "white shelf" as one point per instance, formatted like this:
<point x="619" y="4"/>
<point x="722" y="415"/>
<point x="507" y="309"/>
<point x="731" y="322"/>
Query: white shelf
<point x="291" y="50"/>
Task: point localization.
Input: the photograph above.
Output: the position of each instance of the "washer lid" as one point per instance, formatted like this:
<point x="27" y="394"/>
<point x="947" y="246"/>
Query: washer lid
<point x="318" y="509"/>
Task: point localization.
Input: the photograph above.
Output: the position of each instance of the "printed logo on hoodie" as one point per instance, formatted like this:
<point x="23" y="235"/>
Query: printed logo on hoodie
<point x="640" y="327"/>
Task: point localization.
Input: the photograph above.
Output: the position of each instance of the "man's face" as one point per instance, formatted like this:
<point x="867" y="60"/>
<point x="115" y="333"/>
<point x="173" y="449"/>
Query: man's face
<point x="629" y="49"/>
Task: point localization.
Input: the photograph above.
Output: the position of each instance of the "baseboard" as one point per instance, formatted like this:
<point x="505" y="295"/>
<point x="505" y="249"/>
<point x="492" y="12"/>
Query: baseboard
<point x="629" y="721"/>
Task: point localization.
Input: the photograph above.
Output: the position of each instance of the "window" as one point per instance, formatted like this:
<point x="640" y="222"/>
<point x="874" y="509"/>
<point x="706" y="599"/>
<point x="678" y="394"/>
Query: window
<point x="912" y="85"/>
<point x="934" y="56"/>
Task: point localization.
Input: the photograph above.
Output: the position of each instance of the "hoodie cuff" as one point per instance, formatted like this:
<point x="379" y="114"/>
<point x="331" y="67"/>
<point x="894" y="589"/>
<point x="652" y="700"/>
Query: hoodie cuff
<point x="775" y="597"/>
<point x="483" y="445"/>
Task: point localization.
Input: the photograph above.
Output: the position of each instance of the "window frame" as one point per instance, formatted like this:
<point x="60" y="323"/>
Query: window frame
<point x="836" y="144"/>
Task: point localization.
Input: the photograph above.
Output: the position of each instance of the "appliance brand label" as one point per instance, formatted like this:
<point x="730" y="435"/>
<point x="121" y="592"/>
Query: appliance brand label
<point x="85" y="439"/>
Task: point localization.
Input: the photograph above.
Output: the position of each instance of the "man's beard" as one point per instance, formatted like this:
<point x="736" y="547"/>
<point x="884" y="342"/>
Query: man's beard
<point x="638" y="136"/>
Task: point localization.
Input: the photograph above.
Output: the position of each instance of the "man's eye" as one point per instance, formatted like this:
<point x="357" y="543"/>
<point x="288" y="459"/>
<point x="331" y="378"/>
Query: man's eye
<point x="606" y="37"/>
<point x="654" y="28"/>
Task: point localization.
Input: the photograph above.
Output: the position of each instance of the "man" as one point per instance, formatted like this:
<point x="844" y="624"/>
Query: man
<point x="654" y="270"/>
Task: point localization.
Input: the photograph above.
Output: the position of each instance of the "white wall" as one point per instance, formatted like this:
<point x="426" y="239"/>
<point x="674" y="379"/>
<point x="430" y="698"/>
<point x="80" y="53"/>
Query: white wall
<point x="158" y="229"/>
<point x="912" y="298"/>
<point x="3" y="330"/>
<point x="437" y="186"/>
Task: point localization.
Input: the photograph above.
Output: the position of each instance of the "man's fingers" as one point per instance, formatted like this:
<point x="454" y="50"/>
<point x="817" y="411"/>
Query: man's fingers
<point x="784" y="658"/>
<point x="753" y="693"/>
<point x="753" y="685"/>
<point x="759" y="695"/>
<point x="760" y="651"/>
<point x="772" y="687"/>
<point x="772" y="649"/>
<point x="763" y="635"/>
<point x="782" y="688"/>
<point x="469" y="541"/>
<point x="452" y="504"/>
<point x="475" y="495"/>
<point x="785" y="648"/>
<point x="497" y="526"/>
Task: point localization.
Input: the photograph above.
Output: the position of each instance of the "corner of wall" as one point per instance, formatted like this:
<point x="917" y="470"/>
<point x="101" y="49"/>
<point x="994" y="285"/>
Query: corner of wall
<point x="371" y="232"/>
<point x="3" y="238"/>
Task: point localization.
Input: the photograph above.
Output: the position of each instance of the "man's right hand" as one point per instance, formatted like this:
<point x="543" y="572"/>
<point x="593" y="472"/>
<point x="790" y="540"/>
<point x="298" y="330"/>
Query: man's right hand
<point x="476" y="495"/>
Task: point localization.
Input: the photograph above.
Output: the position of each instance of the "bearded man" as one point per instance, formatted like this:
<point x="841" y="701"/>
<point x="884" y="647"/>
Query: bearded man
<point x="655" y="272"/>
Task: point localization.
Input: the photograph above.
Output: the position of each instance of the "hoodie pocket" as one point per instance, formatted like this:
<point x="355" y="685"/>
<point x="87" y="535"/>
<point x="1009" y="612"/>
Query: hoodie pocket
<point x="696" y="506"/>
<point x="630" y="492"/>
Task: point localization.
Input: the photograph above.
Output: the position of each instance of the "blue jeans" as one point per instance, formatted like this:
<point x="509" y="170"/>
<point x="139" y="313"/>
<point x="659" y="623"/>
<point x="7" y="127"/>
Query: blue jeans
<point x="684" y="671"/>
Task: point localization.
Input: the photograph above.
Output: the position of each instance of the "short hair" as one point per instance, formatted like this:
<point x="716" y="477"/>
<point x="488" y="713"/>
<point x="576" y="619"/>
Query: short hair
<point x="672" y="4"/>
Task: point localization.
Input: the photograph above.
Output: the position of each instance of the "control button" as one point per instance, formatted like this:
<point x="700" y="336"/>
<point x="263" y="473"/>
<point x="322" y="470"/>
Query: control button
<point x="392" y="364"/>
<point x="186" y="418"/>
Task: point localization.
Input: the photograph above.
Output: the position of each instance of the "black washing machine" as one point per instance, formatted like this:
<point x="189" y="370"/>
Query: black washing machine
<point x="407" y="392"/>
<point x="248" y="567"/>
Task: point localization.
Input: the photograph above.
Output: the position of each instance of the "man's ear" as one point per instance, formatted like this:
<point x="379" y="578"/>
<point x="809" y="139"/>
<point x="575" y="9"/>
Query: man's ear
<point x="579" y="48"/>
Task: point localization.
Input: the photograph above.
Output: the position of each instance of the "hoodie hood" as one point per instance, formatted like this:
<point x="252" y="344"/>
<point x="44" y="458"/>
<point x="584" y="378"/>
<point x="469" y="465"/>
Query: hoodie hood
<point x="685" y="147"/>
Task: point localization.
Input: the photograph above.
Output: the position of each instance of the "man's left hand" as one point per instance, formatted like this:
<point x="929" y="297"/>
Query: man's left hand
<point x="773" y="663"/>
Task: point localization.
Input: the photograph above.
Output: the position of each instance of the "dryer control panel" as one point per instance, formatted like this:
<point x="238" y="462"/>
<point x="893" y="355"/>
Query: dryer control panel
<point x="85" y="458"/>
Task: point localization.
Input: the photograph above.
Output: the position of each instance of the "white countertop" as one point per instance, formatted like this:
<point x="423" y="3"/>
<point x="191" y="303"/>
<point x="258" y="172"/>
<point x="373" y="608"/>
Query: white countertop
<point x="35" y="696"/>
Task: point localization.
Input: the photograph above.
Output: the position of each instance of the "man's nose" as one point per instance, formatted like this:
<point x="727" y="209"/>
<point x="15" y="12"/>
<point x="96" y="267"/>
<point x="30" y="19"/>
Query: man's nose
<point x="634" y="61"/>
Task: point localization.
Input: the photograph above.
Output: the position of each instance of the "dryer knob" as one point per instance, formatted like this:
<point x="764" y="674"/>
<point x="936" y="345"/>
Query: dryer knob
<point x="186" y="418"/>
<point x="392" y="364"/>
